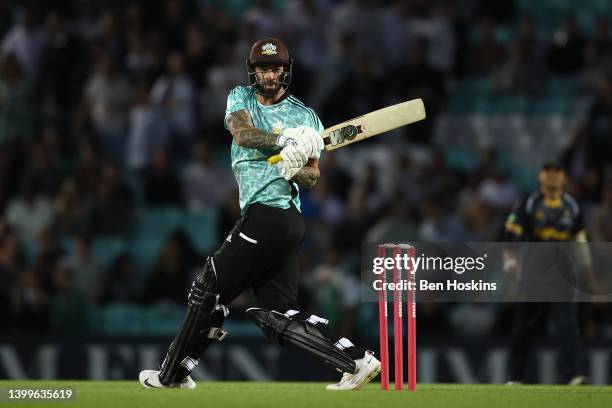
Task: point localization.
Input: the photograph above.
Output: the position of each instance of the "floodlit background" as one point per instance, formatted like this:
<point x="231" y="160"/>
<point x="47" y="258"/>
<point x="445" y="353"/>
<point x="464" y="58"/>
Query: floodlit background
<point x="115" y="180"/>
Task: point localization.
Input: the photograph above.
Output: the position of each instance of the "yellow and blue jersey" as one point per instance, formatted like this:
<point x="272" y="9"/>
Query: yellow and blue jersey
<point x="539" y="219"/>
<point x="258" y="182"/>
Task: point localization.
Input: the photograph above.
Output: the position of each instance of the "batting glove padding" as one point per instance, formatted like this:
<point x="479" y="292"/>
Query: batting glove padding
<point x="289" y="137"/>
<point x="287" y="171"/>
<point x="314" y="140"/>
<point x="294" y="156"/>
<point x="304" y="136"/>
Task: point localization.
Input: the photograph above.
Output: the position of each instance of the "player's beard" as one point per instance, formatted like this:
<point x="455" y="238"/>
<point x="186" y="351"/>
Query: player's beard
<point x="270" y="88"/>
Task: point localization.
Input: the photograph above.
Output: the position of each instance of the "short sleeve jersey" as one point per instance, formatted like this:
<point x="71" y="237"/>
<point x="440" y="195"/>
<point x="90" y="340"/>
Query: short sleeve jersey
<point x="259" y="182"/>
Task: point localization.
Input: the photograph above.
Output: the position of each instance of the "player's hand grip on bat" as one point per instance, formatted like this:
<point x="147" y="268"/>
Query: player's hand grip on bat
<point x="315" y="140"/>
<point x="295" y="156"/>
<point x="289" y="136"/>
<point x="304" y="136"/>
<point x="293" y="159"/>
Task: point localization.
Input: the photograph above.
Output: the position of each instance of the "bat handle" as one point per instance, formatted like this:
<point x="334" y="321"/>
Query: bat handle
<point x="275" y="159"/>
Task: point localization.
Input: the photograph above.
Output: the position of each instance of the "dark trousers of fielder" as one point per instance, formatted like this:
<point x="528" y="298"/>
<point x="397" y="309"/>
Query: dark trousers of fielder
<point x="531" y="320"/>
<point x="261" y="252"/>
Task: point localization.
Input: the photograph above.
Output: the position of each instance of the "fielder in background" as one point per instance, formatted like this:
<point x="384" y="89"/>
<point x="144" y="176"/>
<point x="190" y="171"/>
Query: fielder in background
<point x="261" y="251"/>
<point x="546" y="271"/>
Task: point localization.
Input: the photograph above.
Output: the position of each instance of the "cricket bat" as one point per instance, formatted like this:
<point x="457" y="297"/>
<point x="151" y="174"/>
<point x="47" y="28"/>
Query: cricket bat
<point x="368" y="125"/>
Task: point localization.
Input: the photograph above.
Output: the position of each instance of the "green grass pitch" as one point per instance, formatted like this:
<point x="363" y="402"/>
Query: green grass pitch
<point x="118" y="394"/>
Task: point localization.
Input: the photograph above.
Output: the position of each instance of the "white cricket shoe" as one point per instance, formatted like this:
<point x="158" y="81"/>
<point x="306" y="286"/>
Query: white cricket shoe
<point x="368" y="368"/>
<point x="578" y="380"/>
<point x="150" y="379"/>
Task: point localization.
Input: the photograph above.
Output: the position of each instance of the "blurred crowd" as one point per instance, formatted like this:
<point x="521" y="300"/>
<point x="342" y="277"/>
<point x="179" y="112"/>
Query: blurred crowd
<point x="111" y="107"/>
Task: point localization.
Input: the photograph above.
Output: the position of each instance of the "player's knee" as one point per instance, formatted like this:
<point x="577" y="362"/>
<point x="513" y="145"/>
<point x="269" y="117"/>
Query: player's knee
<point x="204" y="292"/>
<point x="271" y="323"/>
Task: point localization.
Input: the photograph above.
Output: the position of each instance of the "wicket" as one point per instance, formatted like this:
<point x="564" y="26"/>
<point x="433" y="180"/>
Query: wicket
<point x="398" y="330"/>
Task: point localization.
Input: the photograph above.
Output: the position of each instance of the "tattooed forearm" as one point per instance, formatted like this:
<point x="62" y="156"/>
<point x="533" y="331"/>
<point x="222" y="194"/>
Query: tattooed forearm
<point x="255" y="138"/>
<point x="307" y="177"/>
<point x="246" y="134"/>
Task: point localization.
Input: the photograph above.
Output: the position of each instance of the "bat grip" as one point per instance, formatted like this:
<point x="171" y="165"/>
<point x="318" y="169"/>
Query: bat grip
<point x="275" y="159"/>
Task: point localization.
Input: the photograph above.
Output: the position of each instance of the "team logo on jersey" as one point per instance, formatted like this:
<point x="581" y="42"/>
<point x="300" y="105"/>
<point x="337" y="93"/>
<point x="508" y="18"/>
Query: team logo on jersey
<point x="268" y="49"/>
<point x="277" y="127"/>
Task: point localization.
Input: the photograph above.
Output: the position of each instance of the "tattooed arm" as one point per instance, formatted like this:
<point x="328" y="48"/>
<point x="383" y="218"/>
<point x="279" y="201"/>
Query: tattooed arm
<point x="308" y="175"/>
<point x="246" y="134"/>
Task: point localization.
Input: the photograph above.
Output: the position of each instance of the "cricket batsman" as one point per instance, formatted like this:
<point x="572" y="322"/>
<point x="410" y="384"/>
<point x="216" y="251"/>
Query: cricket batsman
<point x="261" y="251"/>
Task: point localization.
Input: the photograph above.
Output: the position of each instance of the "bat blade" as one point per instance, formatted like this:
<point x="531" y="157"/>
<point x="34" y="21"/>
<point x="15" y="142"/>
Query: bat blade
<point x="373" y="123"/>
<point x="370" y="124"/>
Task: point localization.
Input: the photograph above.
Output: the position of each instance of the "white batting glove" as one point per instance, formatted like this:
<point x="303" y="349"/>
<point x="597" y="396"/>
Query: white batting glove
<point x="294" y="156"/>
<point x="289" y="136"/>
<point x="304" y="136"/>
<point x="287" y="171"/>
<point x="315" y="141"/>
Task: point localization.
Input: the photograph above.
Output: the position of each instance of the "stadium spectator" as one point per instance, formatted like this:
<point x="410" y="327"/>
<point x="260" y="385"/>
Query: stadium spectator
<point x="486" y="53"/>
<point x="161" y="183"/>
<point x="498" y="192"/>
<point x="264" y="18"/>
<point x="30" y="303"/>
<point x="62" y="70"/>
<point x="597" y="65"/>
<point x="304" y="31"/>
<point x="87" y="273"/>
<point x="174" y="95"/>
<point x="198" y="54"/>
<point x="11" y="263"/>
<point x="171" y="274"/>
<point x="47" y="252"/>
<point x="105" y="34"/>
<point x="599" y="123"/>
<point x="336" y="292"/>
<point x="361" y="20"/>
<point x="205" y="185"/>
<point x="601" y="37"/>
<point x="68" y="306"/>
<point x="122" y="283"/>
<point x="223" y="75"/>
<point x="45" y="166"/>
<point x="229" y="212"/>
<point x="521" y="73"/>
<point x="175" y="18"/>
<point x="139" y="60"/>
<point x="602" y="216"/>
<point x="29" y="212"/>
<point x="149" y="129"/>
<point x="113" y="208"/>
<point x="105" y="101"/>
<point x="72" y="210"/>
<point x="87" y="168"/>
<point x="15" y="110"/>
<point x="567" y="46"/>
<point x="577" y="155"/>
<point x="25" y="41"/>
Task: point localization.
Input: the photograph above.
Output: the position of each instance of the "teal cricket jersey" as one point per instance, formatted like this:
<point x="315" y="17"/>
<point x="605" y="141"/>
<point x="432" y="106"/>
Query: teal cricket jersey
<point x="259" y="182"/>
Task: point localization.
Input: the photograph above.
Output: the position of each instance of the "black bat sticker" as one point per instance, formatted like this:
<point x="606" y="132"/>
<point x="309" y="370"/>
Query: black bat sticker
<point x="343" y="134"/>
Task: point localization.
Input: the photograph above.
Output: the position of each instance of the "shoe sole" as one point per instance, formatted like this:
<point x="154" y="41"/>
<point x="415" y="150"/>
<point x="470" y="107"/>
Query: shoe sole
<point x="147" y="384"/>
